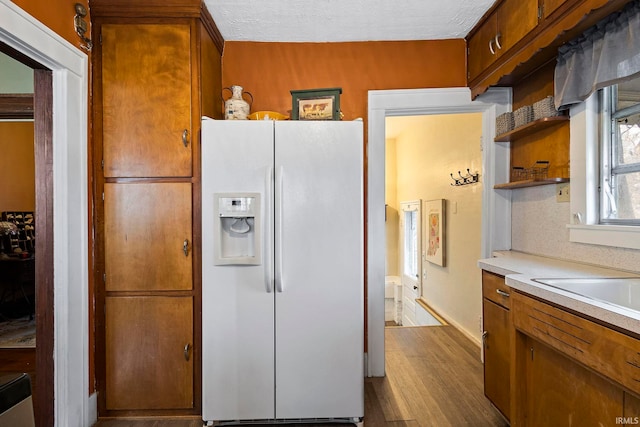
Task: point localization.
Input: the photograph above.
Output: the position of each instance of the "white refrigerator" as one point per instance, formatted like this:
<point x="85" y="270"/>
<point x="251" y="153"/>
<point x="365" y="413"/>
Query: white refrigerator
<point x="282" y="271"/>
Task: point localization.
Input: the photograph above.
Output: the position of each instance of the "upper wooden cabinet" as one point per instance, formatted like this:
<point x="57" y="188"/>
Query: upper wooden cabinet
<point x="481" y="47"/>
<point x="502" y="29"/>
<point x="516" y="37"/>
<point x="146" y="102"/>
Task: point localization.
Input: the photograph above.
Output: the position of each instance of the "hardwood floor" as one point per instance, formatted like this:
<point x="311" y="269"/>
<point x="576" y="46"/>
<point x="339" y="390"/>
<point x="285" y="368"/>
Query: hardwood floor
<point x="434" y="378"/>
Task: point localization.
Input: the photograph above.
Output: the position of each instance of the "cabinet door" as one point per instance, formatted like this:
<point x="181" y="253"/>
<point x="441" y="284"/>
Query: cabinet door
<point x="497" y="356"/>
<point x="149" y="362"/>
<point x="146" y="100"/>
<point x="146" y="228"/>
<point x="515" y="19"/>
<point x="480" y="46"/>
<point x="631" y="406"/>
<point x="562" y="392"/>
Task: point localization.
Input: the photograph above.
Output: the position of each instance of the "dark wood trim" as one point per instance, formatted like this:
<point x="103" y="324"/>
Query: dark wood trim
<point x="16" y="106"/>
<point x="211" y="27"/>
<point x="20" y="57"/>
<point x="98" y="218"/>
<point x="146" y="8"/>
<point x="43" y="131"/>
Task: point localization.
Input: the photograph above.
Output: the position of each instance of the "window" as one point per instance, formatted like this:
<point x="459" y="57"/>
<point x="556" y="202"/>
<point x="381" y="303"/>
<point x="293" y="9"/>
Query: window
<point x="620" y="154"/>
<point x="411" y="250"/>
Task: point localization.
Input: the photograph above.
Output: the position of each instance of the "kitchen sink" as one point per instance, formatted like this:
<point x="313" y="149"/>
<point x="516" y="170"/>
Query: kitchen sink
<point x="620" y="291"/>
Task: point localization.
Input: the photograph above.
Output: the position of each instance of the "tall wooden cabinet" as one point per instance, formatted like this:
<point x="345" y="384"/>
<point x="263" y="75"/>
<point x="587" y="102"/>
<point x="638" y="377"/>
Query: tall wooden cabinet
<point x="156" y="71"/>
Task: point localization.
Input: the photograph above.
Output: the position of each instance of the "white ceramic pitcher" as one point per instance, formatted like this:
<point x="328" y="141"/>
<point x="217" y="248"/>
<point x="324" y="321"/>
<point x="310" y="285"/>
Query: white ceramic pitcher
<point x="236" y="108"/>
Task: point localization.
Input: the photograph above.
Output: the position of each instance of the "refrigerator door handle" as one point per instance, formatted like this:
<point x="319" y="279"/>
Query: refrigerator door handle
<point x="278" y="225"/>
<point x="268" y="233"/>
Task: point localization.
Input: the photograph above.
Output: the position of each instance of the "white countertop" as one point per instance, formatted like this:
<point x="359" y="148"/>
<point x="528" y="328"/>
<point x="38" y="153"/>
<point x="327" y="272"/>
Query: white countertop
<point x="519" y="269"/>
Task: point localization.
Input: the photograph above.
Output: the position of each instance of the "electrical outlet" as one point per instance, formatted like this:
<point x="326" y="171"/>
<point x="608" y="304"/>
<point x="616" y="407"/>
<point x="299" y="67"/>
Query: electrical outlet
<point x="562" y="192"/>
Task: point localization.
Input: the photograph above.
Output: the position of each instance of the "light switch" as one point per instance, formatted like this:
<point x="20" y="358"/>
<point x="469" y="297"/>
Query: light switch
<point x="562" y="192"/>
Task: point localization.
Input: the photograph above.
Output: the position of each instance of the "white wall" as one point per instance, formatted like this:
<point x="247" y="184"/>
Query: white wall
<point x="427" y="153"/>
<point x="539" y="226"/>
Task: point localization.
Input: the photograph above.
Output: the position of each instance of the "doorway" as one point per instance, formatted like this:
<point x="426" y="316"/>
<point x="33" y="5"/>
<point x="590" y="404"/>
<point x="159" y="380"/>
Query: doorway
<point x="383" y="104"/>
<point x="439" y="218"/>
<point x="60" y="134"/>
<point x="27" y="330"/>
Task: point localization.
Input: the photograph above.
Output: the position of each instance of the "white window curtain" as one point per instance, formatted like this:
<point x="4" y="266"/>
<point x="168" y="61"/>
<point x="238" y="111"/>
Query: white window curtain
<point x="605" y="54"/>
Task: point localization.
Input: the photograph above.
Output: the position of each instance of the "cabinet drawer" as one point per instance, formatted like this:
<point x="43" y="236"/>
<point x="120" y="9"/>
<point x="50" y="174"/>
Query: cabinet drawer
<point x="608" y="352"/>
<point x="495" y="289"/>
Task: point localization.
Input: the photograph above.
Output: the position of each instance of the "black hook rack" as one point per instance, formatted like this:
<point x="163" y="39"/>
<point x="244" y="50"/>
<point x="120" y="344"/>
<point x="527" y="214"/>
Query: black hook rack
<point x="469" y="178"/>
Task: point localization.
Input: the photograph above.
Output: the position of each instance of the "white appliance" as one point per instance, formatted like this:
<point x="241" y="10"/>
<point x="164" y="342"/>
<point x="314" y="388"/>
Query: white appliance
<point x="282" y="271"/>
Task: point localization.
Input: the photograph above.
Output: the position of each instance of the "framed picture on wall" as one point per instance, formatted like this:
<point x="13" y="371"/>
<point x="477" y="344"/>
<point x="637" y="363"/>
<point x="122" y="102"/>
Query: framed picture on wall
<point x="316" y="104"/>
<point x="434" y="231"/>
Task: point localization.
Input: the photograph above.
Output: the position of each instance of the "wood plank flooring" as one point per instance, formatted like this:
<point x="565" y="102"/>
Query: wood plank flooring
<point x="434" y="378"/>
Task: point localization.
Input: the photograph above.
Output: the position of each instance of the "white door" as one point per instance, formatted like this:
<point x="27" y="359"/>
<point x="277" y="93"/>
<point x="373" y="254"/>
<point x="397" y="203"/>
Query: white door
<point x="319" y="270"/>
<point x="237" y="305"/>
<point x="410" y="259"/>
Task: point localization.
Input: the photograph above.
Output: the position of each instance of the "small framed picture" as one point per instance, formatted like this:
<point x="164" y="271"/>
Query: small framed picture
<point x="433" y="211"/>
<point x="316" y="104"/>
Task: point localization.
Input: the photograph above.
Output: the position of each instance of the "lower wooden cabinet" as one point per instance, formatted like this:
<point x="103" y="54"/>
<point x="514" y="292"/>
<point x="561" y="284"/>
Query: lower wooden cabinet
<point x="496" y="341"/>
<point x="569" y="370"/>
<point x="149" y="345"/>
<point x="560" y="391"/>
<point x="631" y="408"/>
<point x="497" y="355"/>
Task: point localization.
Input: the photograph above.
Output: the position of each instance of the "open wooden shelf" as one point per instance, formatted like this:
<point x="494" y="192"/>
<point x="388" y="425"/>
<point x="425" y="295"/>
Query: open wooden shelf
<point x="531" y="128"/>
<point x="529" y="183"/>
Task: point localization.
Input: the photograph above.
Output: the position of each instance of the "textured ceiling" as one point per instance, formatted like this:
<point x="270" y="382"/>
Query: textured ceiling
<point x="345" y="20"/>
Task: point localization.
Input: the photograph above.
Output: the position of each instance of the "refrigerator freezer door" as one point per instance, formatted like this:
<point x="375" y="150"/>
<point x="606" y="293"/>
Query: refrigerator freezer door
<point x="237" y="303"/>
<point x="319" y="278"/>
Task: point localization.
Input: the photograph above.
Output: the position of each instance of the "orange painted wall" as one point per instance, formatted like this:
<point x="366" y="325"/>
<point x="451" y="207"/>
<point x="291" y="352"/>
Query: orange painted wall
<point x="57" y="15"/>
<point x="270" y="70"/>
<point x="17" y="167"/>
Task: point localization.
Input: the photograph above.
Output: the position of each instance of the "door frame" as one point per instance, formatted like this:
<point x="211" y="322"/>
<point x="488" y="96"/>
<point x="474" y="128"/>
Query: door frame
<point x="67" y="176"/>
<point x="496" y="205"/>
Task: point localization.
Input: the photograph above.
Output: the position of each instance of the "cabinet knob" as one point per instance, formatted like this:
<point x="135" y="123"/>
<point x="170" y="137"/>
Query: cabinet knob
<point x="185" y="247"/>
<point x="185" y="137"/>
